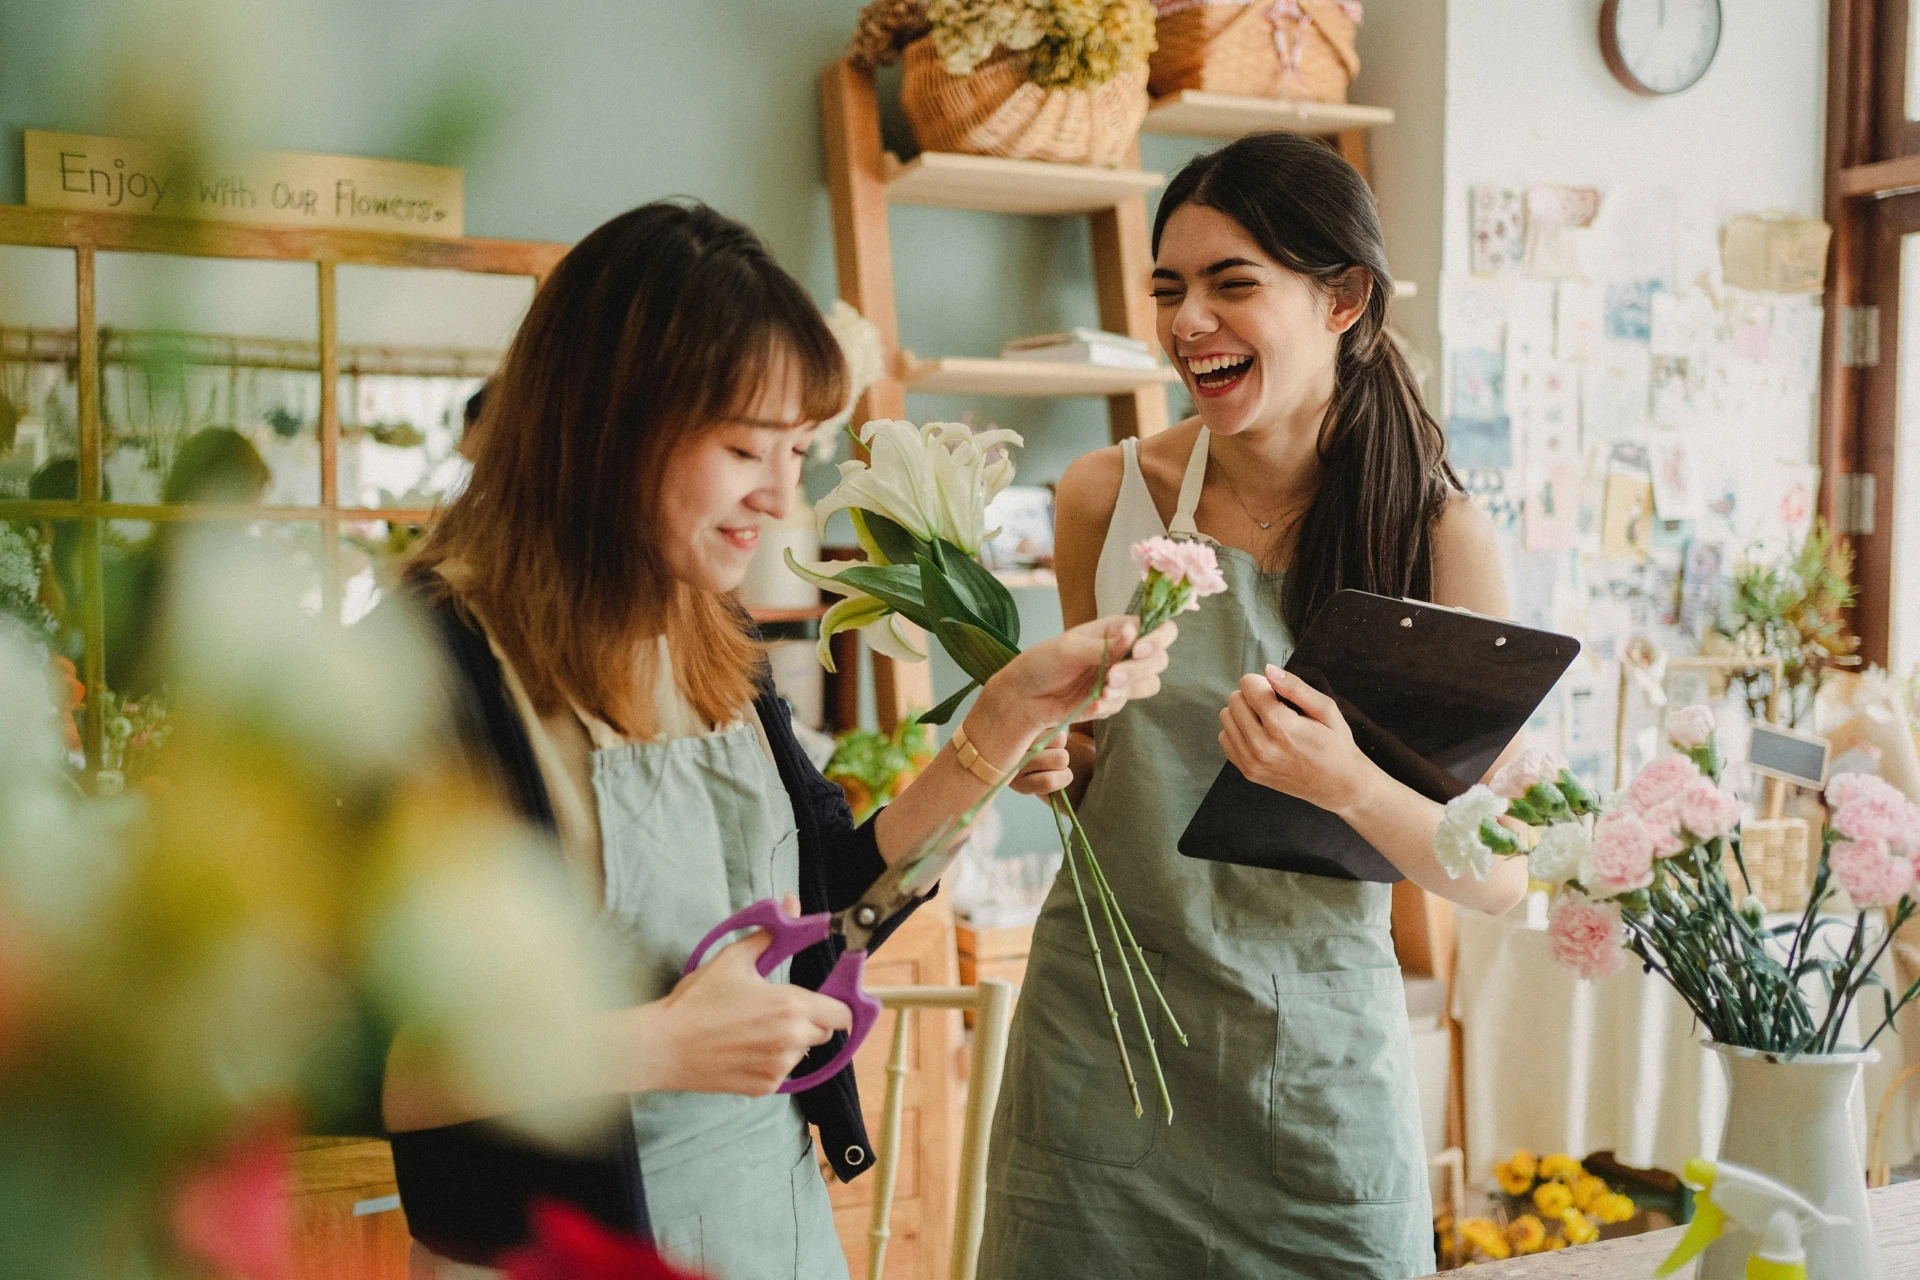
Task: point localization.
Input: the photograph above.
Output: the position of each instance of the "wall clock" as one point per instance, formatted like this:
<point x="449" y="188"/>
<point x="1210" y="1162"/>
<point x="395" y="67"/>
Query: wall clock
<point x="1657" y="47"/>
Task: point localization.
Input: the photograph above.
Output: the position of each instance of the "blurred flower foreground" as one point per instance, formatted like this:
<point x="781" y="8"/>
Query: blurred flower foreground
<point x="197" y="970"/>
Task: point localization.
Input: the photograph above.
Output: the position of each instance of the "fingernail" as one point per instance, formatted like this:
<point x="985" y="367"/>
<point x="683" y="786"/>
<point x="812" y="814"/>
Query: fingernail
<point x="1275" y="673"/>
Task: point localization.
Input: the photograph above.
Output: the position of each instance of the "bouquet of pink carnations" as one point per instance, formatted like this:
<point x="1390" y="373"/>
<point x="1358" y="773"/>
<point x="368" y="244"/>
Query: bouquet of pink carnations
<point x="1647" y="875"/>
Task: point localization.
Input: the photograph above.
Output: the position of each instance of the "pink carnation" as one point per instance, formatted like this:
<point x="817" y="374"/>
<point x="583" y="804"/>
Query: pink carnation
<point x="1706" y="811"/>
<point x="1661" y="781"/>
<point x="1587" y="937"/>
<point x="233" y="1215"/>
<point x="1520" y="774"/>
<point x="1623" y="849"/>
<point x="1845" y="788"/>
<point x="1182" y="560"/>
<point x="1690" y="727"/>
<point x="1663" y="824"/>
<point x="1877" y="813"/>
<point x="1871" y="875"/>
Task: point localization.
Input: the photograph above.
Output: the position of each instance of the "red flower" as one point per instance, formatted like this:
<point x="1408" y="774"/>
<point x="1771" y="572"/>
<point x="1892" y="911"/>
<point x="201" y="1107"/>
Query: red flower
<point x="570" y="1245"/>
<point x="234" y="1214"/>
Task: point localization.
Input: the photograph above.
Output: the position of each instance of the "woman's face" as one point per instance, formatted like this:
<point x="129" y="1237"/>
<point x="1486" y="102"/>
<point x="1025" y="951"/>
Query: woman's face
<point x="1255" y="343"/>
<point x="723" y="483"/>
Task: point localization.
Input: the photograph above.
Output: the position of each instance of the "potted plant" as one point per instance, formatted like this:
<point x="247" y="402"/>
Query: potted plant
<point x="1060" y="80"/>
<point x="1792" y="608"/>
<point x="1645" y="876"/>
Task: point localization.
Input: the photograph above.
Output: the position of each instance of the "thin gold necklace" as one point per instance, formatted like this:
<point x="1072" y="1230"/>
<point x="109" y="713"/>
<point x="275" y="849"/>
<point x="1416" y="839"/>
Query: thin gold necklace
<point x="1242" y="502"/>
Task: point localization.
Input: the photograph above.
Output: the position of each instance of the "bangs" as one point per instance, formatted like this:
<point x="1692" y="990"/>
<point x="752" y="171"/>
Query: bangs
<point x="788" y="338"/>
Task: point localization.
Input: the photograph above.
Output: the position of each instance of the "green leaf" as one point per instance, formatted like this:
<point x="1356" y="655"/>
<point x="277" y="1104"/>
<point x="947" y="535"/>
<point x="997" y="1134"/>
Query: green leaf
<point x="897" y="584"/>
<point x="978" y="651"/>
<point x="944" y="712"/>
<point x="983" y="593"/>
<point x="942" y="600"/>
<point x="879" y="534"/>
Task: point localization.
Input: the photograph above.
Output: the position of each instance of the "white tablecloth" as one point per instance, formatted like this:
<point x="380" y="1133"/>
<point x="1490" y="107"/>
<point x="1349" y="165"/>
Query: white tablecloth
<point x="1554" y="1063"/>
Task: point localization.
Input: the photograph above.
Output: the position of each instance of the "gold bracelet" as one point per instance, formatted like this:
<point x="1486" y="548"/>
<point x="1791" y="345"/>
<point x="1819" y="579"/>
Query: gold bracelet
<point x="971" y="761"/>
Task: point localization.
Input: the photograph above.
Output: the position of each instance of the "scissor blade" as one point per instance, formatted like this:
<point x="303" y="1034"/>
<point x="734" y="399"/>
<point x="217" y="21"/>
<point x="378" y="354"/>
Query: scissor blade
<point x="910" y="878"/>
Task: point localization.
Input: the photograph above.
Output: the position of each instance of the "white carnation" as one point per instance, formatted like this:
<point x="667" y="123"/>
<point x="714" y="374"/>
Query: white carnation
<point x="1457" y="844"/>
<point x="1563" y="848"/>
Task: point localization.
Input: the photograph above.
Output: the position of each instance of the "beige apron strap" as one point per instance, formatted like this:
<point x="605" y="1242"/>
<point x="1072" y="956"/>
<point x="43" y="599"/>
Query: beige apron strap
<point x="1190" y="485"/>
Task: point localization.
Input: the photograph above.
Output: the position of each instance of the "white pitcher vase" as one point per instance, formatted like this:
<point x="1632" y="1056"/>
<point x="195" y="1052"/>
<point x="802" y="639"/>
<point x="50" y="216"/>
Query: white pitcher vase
<point x="1791" y="1119"/>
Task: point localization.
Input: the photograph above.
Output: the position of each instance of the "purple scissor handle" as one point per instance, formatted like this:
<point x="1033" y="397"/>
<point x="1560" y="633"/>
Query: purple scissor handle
<point x="792" y="935"/>
<point x="899" y="887"/>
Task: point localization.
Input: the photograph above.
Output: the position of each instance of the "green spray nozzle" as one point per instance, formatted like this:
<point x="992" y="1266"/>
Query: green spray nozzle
<point x="1772" y="1211"/>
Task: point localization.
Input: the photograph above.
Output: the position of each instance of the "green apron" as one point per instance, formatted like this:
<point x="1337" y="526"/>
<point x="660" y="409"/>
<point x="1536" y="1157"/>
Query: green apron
<point x="691" y="830"/>
<point x="1296" y="1147"/>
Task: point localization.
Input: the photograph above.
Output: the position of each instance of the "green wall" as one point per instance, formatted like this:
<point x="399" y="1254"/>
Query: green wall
<point x="563" y="114"/>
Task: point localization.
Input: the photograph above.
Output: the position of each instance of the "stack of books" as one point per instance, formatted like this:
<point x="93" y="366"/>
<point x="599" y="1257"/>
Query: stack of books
<point x="1083" y="346"/>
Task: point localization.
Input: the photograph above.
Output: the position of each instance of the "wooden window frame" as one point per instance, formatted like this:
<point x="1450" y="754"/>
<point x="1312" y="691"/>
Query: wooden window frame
<point x="88" y="234"/>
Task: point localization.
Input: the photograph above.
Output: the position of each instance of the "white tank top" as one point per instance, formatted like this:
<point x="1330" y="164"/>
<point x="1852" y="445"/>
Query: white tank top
<point x="1116" y="577"/>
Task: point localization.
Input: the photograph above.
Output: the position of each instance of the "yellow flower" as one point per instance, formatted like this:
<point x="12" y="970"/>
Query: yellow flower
<point x="1579" y="1228"/>
<point x="1516" y="1175"/>
<point x="1587" y="1189"/>
<point x="1552" y="1199"/>
<point x="1485" y="1235"/>
<point x="1561" y="1168"/>
<point x="1527" y="1234"/>
<point x="1554" y="1244"/>
<point x="1612" y="1207"/>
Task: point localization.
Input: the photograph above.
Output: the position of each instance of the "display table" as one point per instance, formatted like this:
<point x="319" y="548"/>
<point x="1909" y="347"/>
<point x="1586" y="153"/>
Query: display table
<point x="1896" y="1225"/>
<point x="1552" y="1063"/>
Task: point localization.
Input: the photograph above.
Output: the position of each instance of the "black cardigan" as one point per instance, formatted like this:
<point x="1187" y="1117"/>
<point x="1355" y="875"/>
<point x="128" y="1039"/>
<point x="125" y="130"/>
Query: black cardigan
<point x="465" y="1187"/>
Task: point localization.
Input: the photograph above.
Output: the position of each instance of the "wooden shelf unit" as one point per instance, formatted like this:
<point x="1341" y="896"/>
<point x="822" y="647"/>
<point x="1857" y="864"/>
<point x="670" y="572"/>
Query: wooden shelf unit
<point x="988" y="377"/>
<point x="992" y="184"/>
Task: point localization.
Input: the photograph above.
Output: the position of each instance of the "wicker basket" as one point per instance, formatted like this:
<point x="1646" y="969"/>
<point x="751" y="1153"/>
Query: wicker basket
<point x="1779" y="861"/>
<point x="997" y="111"/>
<point x="1301" y="51"/>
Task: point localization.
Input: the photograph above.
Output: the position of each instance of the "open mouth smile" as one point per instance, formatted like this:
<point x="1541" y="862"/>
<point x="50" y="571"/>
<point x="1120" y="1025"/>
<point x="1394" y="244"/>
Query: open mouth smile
<point x="1217" y="374"/>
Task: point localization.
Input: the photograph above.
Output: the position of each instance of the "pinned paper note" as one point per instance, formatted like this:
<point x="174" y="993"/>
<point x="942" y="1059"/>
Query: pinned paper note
<point x="1552" y="511"/>
<point x="1676" y="491"/>
<point x="1488" y="488"/>
<point x="1496" y="228"/>
<point x="1614" y="391"/>
<point x="1557" y="240"/>
<point x="1626" y="521"/>
<point x="1578" y="314"/>
<point x="1629" y="314"/>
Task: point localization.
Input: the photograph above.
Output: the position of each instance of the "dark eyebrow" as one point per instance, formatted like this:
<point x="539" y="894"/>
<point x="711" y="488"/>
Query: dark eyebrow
<point x="1214" y="269"/>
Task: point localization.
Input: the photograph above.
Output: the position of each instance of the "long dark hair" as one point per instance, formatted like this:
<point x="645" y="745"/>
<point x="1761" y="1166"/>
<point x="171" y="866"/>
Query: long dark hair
<point x="1384" y="477"/>
<point x="659" y="325"/>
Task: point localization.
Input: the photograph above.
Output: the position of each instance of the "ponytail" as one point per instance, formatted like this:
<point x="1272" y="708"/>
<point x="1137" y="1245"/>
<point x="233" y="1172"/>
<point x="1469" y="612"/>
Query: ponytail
<point x="1384" y="477"/>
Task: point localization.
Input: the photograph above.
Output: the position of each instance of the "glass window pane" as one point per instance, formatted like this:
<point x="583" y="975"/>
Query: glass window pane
<point x="210" y="383"/>
<point x="39" y="399"/>
<point x="415" y="345"/>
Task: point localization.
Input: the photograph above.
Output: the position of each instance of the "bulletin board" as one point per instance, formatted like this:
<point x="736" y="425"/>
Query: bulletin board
<point x="1634" y="413"/>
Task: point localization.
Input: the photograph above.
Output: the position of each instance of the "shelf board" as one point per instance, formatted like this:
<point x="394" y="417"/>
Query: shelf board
<point x="1193" y="113"/>
<point x="1029" y="377"/>
<point x="1019" y="579"/>
<point x="992" y="184"/>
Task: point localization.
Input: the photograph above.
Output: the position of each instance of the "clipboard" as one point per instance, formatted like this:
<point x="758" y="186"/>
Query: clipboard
<point x="1433" y="696"/>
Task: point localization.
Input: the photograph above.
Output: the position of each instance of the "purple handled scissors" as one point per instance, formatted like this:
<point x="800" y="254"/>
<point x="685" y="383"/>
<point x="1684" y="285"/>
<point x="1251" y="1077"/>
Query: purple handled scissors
<point x="897" y="888"/>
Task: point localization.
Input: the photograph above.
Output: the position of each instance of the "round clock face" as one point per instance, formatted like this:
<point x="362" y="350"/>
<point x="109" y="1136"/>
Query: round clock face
<point x="1659" y="46"/>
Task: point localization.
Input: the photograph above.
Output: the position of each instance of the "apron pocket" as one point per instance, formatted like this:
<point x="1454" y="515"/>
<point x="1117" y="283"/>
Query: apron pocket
<point x="1069" y="1092"/>
<point x="1345" y="1119"/>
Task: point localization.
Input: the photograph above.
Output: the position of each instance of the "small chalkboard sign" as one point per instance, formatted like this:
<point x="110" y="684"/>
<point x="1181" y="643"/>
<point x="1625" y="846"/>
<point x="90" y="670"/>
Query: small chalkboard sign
<point x="1799" y="758"/>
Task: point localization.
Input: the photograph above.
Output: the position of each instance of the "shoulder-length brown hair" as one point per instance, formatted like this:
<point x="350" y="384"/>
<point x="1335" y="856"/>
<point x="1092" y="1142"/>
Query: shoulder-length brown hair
<point x="658" y="326"/>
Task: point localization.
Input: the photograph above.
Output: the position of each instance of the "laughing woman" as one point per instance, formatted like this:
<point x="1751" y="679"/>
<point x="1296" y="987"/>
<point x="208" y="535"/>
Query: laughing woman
<point x="652" y="415"/>
<point x="1296" y="1145"/>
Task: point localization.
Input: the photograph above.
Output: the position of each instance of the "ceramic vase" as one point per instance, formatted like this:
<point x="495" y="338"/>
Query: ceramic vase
<point x="1791" y="1118"/>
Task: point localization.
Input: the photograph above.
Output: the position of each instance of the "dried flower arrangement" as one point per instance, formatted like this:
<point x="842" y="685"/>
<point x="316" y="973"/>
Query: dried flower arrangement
<point x="1070" y="44"/>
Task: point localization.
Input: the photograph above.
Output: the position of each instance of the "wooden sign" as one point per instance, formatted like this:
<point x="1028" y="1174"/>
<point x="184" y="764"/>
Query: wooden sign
<point x="268" y="188"/>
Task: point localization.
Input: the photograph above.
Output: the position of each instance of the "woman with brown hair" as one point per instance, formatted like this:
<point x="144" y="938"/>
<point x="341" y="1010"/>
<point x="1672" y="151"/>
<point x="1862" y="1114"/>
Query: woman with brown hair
<point x="652" y="414"/>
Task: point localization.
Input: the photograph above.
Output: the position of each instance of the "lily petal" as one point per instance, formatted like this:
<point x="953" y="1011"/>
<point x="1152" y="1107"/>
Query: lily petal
<point x="897" y="638"/>
<point x="858" y="612"/>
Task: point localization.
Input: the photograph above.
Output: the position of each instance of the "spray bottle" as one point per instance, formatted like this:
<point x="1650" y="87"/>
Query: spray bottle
<point x="1772" y="1211"/>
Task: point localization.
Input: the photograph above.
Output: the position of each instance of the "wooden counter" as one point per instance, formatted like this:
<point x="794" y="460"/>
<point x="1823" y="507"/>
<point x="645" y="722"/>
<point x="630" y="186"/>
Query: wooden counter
<point x="1896" y="1225"/>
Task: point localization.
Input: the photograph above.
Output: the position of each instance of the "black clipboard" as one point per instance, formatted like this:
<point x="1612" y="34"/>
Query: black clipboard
<point x="1433" y="696"/>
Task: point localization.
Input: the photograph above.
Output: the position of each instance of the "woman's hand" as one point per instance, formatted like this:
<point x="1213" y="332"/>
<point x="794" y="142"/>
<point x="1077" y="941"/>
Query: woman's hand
<point x="725" y="1029"/>
<point x="1050" y="770"/>
<point x="1049" y="682"/>
<point x="1306" y="749"/>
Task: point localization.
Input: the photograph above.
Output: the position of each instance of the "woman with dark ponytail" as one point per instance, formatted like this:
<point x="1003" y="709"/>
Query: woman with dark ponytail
<point x="1296" y="1147"/>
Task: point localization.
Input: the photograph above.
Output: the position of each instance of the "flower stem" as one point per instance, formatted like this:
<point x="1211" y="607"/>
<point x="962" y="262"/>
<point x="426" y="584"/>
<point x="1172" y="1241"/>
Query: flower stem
<point x="1100" y="883"/>
<point x="1108" y="908"/>
<point x="1100" y="967"/>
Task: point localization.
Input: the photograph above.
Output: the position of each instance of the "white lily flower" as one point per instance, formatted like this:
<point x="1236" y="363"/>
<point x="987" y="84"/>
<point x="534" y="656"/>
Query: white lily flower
<point x="933" y="481"/>
<point x="866" y="357"/>
<point x="885" y="631"/>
